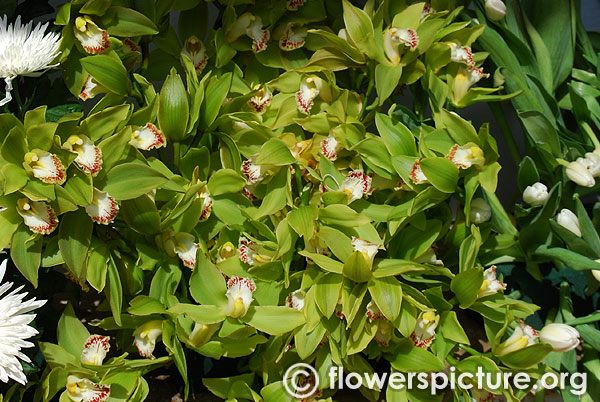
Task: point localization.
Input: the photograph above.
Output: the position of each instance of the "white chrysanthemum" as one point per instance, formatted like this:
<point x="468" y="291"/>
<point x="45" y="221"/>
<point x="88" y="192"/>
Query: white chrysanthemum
<point x="14" y="329"/>
<point x="24" y="51"/>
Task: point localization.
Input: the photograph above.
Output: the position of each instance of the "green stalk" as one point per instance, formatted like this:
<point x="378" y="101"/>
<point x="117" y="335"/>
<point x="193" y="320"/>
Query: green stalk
<point x="298" y="181"/>
<point x="15" y="84"/>
<point x="470" y="350"/>
<point x="176" y="154"/>
<point x="506" y="132"/>
<point x="585" y="126"/>
<point x="369" y="89"/>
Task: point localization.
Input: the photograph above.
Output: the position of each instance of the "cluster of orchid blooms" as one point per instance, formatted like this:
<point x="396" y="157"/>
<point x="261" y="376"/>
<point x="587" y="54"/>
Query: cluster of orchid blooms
<point x="48" y="168"/>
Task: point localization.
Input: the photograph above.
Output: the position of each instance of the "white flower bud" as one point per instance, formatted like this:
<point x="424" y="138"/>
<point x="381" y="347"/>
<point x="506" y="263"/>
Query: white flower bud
<point x="495" y="9"/>
<point x="536" y="194"/>
<point x="578" y="172"/>
<point x="592" y="163"/>
<point x="568" y="220"/>
<point x="561" y="337"/>
<point x="480" y="211"/>
<point x="596" y="272"/>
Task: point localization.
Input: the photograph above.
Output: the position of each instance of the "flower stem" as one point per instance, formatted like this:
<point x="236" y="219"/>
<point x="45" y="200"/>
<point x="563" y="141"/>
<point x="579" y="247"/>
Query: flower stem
<point x="506" y="132"/>
<point x="20" y="112"/>
<point x="590" y="133"/>
<point x="176" y="154"/>
<point x="368" y="93"/>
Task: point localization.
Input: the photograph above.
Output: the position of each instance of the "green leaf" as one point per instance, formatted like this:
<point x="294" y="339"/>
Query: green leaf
<point x="274" y="320"/>
<point x="15" y="178"/>
<point x="328" y="264"/>
<point x="74" y="237"/>
<point x="218" y="88"/>
<point x="451" y="328"/>
<point x="225" y="181"/>
<point x="277" y="194"/>
<point x="527" y="357"/>
<point x="79" y="186"/>
<point x="275" y="152"/>
<point x="386" y="80"/>
<point x="200" y="314"/>
<point x="590" y="235"/>
<point x="71" y="333"/>
<point x="541" y="132"/>
<point x="327" y="292"/>
<point x="460" y="130"/>
<point x="358" y="25"/>
<point x="97" y="264"/>
<point x="9" y="222"/>
<point x="528" y="173"/>
<point x="14" y="147"/>
<point x="114" y="291"/>
<point x="141" y="214"/>
<point x="302" y="220"/>
<point x="441" y="173"/>
<point x="465" y="286"/>
<point x="105" y="122"/>
<point x="342" y="215"/>
<point x="207" y="285"/>
<point x="357" y="267"/>
<point x="41" y="136"/>
<point x="131" y="180"/>
<point x="173" y="108"/>
<point x="397" y="137"/>
<point x="387" y="294"/>
<point x="410" y="358"/>
<point x="26" y="253"/>
<point x="571" y="259"/>
<point x="125" y="22"/>
<point x="108" y="71"/>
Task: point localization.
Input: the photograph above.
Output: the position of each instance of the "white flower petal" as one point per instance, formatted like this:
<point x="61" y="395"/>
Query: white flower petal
<point x="14" y="329"/>
<point x="424" y="332"/>
<point x="330" y="147"/>
<point x="259" y="36"/>
<point x="491" y="285"/>
<point x="103" y="208"/>
<point x="95" y="349"/>
<point x="251" y="171"/>
<point x="294" y="5"/>
<point x="466" y="155"/>
<point x="146" y="336"/>
<point x="195" y="50"/>
<point x="536" y="194"/>
<point x="567" y="219"/>
<point x="89" y="156"/>
<point x="186" y="248"/>
<point x="356" y="185"/>
<point x="261" y="100"/>
<point x="295" y="300"/>
<point x="148" y="137"/>
<point x="239" y="296"/>
<point x="93" y="39"/>
<point x="293" y="37"/>
<point x="85" y="390"/>
<point x="416" y="173"/>
<point x="374" y="313"/>
<point x="369" y="249"/>
<point x="45" y="166"/>
<point x="91" y="88"/>
<point x="25" y="51"/>
<point x="37" y="215"/>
